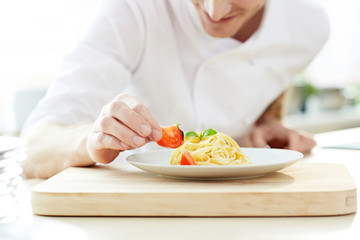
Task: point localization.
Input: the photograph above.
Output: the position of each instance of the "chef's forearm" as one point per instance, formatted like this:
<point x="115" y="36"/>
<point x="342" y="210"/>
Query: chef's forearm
<point x="53" y="147"/>
<point x="275" y="111"/>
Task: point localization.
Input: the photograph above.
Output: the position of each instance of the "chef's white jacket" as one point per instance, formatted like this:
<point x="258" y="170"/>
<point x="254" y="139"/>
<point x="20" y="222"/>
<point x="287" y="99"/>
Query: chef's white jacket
<point x="158" y="51"/>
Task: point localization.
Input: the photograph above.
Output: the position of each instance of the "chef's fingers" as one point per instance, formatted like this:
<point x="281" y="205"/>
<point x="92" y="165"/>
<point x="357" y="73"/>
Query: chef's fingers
<point x="258" y="138"/>
<point x="135" y="104"/>
<point x="156" y="132"/>
<point x="111" y="126"/>
<point x="148" y="126"/>
<point x="101" y="140"/>
<point x="104" y="148"/>
<point x="128" y="117"/>
<point x="244" y="140"/>
<point x="301" y="142"/>
<point x="309" y="145"/>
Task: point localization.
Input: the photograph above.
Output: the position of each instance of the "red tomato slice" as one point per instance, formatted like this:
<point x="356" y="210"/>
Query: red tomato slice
<point x="172" y="137"/>
<point x="186" y="159"/>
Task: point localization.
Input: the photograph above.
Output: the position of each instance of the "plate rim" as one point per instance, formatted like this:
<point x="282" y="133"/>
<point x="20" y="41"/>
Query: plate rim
<point x="216" y="172"/>
<point x="301" y="155"/>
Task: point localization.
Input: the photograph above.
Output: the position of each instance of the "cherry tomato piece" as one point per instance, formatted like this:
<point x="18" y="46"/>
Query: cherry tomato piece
<point x="172" y="137"/>
<point x="187" y="159"/>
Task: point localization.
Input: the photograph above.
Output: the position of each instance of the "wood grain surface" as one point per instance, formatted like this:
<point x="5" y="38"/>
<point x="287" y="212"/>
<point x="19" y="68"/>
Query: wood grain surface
<point x="304" y="189"/>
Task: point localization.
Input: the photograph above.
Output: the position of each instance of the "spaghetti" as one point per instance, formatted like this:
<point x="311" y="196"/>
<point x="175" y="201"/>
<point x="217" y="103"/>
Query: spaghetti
<point x="217" y="149"/>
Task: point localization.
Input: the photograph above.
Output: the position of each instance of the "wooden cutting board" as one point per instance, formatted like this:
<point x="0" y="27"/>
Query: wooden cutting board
<point x="304" y="189"/>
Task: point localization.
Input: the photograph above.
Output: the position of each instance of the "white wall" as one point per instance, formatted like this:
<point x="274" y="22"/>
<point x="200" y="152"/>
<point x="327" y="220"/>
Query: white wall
<point x="338" y="63"/>
<point x="35" y="34"/>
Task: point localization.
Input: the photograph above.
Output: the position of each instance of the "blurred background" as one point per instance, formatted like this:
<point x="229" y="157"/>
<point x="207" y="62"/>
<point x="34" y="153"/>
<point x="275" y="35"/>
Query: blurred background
<point x="36" y="34"/>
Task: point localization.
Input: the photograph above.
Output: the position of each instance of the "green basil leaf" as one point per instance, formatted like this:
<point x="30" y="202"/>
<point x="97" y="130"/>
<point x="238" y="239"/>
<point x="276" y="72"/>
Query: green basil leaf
<point x="191" y="134"/>
<point x="201" y="135"/>
<point x="208" y="132"/>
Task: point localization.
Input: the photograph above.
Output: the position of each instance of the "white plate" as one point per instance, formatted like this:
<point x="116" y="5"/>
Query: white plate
<point x="264" y="161"/>
<point x="10" y="143"/>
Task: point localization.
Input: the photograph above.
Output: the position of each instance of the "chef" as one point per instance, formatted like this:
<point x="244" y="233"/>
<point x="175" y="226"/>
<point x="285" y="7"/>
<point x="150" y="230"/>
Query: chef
<point x="221" y="64"/>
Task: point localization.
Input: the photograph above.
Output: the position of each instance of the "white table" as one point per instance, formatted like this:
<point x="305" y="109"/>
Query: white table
<point x="108" y="228"/>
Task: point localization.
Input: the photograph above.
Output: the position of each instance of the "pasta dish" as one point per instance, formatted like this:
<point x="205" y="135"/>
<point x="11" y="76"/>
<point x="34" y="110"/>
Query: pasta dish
<point x="212" y="149"/>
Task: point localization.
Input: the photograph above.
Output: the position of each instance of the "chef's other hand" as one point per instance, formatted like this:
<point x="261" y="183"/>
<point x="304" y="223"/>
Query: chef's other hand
<point x="124" y="124"/>
<point x="276" y="135"/>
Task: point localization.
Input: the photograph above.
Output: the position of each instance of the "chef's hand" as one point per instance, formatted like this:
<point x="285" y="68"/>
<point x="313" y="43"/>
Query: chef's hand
<point x="124" y="124"/>
<point x="274" y="134"/>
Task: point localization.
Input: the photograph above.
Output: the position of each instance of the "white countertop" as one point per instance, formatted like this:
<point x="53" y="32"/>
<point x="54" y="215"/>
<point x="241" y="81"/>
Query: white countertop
<point x="324" y="121"/>
<point x="334" y="227"/>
